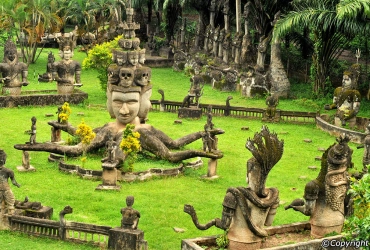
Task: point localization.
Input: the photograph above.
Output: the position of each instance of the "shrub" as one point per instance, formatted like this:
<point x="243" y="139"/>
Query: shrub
<point x="130" y="145"/>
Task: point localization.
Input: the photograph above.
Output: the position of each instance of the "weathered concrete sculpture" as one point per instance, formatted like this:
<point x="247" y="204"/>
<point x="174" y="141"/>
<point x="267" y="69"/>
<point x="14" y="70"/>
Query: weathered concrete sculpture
<point x="48" y="76"/>
<point x="270" y="114"/>
<point x="6" y="193"/>
<point x="247" y="210"/>
<point x="14" y="73"/>
<point x="190" y="104"/>
<point x="324" y="197"/>
<point x="67" y="72"/>
<point x="128" y="236"/>
<point x="346" y="100"/>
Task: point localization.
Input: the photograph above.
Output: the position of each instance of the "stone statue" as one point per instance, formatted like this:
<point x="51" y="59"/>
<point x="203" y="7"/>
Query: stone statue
<point x="111" y="147"/>
<point x="48" y="76"/>
<point x="128" y="101"/>
<point x="366" y="146"/>
<point x="346" y="100"/>
<point x="247" y="210"/>
<point x="195" y="92"/>
<point x="226" y="48"/>
<point x="14" y="73"/>
<point x="130" y="217"/>
<point x="33" y="130"/>
<point x="6" y="193"/>
<point x="221" y="38"/>
<point x="324" y="197"/>
<point x="67" y="72"/>
<point x="271" y="101"/>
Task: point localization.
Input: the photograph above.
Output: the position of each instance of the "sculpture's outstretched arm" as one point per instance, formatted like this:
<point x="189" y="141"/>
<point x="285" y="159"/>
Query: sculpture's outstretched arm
<point x="66" y="127"/>
<point x="99" y="141"/>
<point x="178" y="143"/>
<point x="189" y="209"/>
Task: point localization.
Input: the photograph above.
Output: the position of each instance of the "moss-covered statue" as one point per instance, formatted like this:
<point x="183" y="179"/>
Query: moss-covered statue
<point x="13" y="73"/>
<point x="346" y="99"/>
<point x="246" y="210"/>
<point x="325" y="197"/>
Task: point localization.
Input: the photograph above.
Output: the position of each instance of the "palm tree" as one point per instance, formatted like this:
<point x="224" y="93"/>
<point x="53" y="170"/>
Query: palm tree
<point x="329" y="31"/>
<point x="28" y="19"/>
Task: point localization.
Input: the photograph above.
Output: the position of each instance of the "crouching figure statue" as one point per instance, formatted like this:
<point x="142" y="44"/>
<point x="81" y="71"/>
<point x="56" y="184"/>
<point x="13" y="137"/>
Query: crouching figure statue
<point x="246" y="210"/>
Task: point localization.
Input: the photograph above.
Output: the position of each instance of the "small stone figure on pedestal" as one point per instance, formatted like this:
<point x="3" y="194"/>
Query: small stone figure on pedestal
<point x="6" y="193"/>
<point x="190" y="104"/>
<point x="127" y="237"/>
<point x="25" y="163"/>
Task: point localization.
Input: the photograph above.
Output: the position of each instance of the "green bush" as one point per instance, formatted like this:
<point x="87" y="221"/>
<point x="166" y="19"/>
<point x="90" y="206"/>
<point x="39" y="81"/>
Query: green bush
<point x="359" y="223"/>
<point x="99" y="58"/>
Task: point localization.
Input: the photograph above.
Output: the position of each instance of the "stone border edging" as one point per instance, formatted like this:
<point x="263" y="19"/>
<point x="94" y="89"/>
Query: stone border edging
<point x="124" y="177"/>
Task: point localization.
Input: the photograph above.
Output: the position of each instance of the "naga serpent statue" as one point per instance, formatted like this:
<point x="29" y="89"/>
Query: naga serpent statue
<point x="247" y="209"/>
<point x="325" y="197"/>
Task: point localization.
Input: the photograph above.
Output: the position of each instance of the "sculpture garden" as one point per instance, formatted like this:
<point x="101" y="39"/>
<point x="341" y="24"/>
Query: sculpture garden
<point x="84" y="163"/>
<point x="160" y="201"/>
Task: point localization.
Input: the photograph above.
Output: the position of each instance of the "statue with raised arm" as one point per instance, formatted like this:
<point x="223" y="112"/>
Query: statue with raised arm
<point x="13" y="73"/>
<point x="6" y="193"/>
<point x="324" y="197"/>
<point x="246" y="210"/>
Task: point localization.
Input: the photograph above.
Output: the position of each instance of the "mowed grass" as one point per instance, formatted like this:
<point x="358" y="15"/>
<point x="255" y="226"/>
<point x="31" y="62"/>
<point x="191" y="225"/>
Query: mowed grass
<point x="161" y="200"/>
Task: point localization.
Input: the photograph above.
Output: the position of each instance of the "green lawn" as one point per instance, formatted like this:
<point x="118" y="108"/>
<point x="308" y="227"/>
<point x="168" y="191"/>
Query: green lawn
<point x="161" y="200"/>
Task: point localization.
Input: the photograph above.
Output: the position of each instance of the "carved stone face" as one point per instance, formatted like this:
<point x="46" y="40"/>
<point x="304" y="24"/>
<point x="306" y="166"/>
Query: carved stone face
<point x="125" y="106"/>
<point x="128" y="44"/>
<point x="135" y="43"/>
<point x="133" y="59"/>
<point x="67" y="54"/>
<point x="11" y="55"/>
<point x="347" y="82"/>
<point x="142" y="76"/>
<point x="142" y="56"/>
<point x="126" y="76"/>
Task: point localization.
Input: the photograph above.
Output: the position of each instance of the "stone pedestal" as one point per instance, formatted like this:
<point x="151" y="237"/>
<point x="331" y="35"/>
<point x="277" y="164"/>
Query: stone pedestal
<point x="109" y="176"/>
<point x="65" y="89"/>
<point x="126" y="239"/>
<point x="192" y="112"/>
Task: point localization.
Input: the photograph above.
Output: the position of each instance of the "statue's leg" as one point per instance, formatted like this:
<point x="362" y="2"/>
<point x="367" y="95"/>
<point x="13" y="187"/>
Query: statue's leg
<point x="178" y="143"/>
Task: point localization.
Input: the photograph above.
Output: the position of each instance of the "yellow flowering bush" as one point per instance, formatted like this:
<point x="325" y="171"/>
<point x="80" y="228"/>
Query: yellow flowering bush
<point x="130" y="145"/>
<point x="85" y="132"/>
<point x="65" y="112"/>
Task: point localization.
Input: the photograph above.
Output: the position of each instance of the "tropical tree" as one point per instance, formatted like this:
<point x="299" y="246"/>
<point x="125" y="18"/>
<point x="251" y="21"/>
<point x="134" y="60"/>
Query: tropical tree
<point x="329" y="30"/>
<point x="27" y="20"/>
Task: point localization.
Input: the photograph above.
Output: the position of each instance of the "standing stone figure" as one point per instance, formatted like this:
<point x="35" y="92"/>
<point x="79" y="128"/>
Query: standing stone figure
<point x="130" y="216"/>
<point x="247" y="210"/>
<point x="324" y="197"/>
<point x="14" y="73"/>
<point x="33" y="130"/>
<point x="6" y="193"/>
